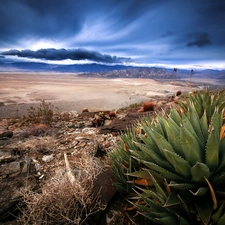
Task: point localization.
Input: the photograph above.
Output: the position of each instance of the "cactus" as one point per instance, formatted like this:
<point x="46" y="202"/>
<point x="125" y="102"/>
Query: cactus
<point x="173" y="166"/>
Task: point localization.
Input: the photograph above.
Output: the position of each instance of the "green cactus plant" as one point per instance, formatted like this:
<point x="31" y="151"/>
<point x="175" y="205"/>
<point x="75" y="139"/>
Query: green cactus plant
<point x="173" y="166"/>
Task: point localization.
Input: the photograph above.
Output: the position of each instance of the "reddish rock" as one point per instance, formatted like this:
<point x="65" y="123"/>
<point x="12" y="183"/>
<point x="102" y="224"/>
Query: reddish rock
<point x="112" y="114"/>
<point x="85" y="110"/>
<point x="148" y="106"/>
<point x="178" y="93"/>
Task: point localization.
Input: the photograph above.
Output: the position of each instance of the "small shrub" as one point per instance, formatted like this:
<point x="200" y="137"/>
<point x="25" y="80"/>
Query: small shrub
<point x="60" y="201"/>
<point x="42" y="114"/>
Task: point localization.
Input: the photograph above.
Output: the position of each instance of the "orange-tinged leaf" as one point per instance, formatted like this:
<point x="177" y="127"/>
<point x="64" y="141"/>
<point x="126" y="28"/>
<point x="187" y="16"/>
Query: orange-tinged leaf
<point x="222" y="132"/>
<point x="125" y="148"/>
<point x="142" y="182"/>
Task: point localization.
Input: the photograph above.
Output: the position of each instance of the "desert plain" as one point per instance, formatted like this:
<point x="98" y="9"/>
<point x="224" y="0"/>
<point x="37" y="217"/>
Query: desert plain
<point x="70" y="92"/>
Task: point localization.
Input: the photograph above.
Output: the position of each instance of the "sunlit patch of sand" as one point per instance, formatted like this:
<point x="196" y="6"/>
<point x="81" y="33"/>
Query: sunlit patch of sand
<point x="68" y="91"/>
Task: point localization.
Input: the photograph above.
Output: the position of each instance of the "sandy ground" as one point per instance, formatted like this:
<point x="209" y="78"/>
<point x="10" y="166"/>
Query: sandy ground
<point x="68" y="92"/>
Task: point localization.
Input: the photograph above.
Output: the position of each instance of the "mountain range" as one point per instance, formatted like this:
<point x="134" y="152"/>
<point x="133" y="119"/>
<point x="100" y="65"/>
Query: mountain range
<point x="108" y="71"/>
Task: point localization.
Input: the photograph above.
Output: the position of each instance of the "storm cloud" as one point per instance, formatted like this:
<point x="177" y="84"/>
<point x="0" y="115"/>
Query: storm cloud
<point x="112" y="31"/>
<point x="199" y="39"/>
<point x="62" y="54"/>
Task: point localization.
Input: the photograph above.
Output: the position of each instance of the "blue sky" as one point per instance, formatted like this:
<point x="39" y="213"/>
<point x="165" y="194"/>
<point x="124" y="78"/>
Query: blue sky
<point x="168" y="33"/>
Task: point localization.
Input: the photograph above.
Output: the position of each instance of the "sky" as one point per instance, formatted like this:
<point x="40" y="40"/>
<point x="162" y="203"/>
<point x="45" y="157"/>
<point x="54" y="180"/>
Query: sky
<point x="163" y="33"/>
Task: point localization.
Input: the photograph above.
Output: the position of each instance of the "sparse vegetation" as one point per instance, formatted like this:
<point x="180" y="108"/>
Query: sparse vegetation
<point x="41" y="114"/>
<point x="61" y="202"/>
<point x="172" y="167"/>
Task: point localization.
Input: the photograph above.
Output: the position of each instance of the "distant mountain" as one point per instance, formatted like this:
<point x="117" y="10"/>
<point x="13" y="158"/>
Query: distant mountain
<point x="108" y="71"/>
<point x="142" y="72"/>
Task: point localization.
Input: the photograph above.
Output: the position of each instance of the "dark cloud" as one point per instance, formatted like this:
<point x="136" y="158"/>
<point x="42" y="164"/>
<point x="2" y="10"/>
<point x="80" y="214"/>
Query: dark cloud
<point x="141" y="29"/>
<point x="168" y="33"/>
<point x="199" y="39"/>
<point x="62" y="54"/>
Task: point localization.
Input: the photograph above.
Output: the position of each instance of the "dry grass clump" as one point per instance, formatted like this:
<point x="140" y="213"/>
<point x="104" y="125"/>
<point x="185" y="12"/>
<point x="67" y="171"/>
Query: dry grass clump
<point x="36" y="145"/>
<point x="61" y="201"/>
<point x="41" y="114"/>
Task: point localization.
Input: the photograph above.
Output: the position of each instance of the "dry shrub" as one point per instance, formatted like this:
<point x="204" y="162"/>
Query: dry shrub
<point x="62" y="202"/>
<point x="43" y="145"/>
<point x="41" y="114"/>
<point x="39" y="130"/>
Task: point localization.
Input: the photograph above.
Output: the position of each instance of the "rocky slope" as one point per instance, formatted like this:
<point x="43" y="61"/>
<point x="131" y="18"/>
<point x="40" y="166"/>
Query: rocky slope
<point x="30" y="155"/>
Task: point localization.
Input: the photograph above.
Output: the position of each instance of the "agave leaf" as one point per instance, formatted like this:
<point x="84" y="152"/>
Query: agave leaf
<point x="200" y="192"/>
<point x="218" y="178"/>
<point x="207" y="103"/>
<point x="175" y="116"/>
<point x="165" y="173"/>
<point x="215" y="99"/>
<point x="190" y="146"/>
<point x="169" y="220"/>
<point x="172" y="200"/>
<point x="183" y="105"/>
<point x="221" y="155"/>
<point x="204" y="209"/>
<point x="186" y="122"/>
<point x="199" y="171"/>
<point x="182" y="186"/>
<point x="216" y="121"/>
<point x="154" y="156"/>
<point x="212" y="150"/>
<point x="161" y="121"/>
<point x="194" y="119"/>
<point x="221" y="220"/>
<point x="221" y="107"/>
<point x="162" y="143"/>
<point x="204" y="126"/>
<point x="183" y="221"/>
<point x="220" y="193"/>
<point x="151" y="203"/>
<point x="181" y="166"/>
<point x="152" y="194"/>
<point x="216" y="216"/>
<point x="184" y="206"/>
<point x="140" y="174"/>
<point x="159" y="190"/>
<point x="173" y="135"/>
<point x="197" y="101"/>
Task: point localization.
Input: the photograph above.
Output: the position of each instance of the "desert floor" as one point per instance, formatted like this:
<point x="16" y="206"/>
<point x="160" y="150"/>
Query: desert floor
<point x="69" y="92"/>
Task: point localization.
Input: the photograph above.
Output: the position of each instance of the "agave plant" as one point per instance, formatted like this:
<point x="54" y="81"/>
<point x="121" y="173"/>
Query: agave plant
<point x="175" y="164"/>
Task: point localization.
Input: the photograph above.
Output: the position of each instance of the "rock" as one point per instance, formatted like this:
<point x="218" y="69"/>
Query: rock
<point x="5" y="156"/>
<point x="6" y="134"/>
<point x="12" y="169"/>
<point x="10" y="195"/>
<point x="148" y="106"/>
<point x="85" y="110"/>
<point x="48" y="158"/>
<point x="121" y="124"/>
<point x="112" y="114"/>
<point x="178" y="93"/>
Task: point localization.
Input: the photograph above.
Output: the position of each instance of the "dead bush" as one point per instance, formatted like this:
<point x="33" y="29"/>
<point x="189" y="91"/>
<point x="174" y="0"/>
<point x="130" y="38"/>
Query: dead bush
<point x="60" y="202"/>
<point x="36" y="145"/>
<point x="41" y="114"/>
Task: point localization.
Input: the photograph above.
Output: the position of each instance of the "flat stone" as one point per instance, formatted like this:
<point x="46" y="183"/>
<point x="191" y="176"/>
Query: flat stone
<point x="11" y="168"/>
<point x="5" y="156"/>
